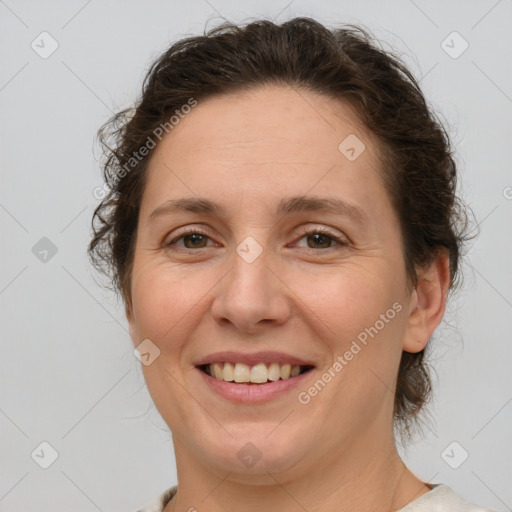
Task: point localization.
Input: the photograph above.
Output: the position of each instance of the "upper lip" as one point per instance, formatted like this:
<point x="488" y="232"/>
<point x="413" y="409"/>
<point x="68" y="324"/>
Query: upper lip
<point x="253" y="358"/>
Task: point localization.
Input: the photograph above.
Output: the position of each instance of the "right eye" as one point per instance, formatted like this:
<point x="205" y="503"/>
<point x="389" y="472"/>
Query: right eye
<point x="194" y="237"/>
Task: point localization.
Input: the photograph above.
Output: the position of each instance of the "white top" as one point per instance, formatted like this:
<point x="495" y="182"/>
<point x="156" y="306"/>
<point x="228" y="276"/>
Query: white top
<point x="440" y="499"/>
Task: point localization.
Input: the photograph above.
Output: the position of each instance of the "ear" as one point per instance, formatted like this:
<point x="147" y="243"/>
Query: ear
<point x="427" y="303"/>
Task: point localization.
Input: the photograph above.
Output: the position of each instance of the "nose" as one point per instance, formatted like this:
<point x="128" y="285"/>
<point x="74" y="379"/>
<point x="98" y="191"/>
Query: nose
<point x="251" y="297"/>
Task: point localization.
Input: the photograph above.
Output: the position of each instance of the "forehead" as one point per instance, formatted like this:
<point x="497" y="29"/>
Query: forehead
<point x="264" y="116"/>
<point x="270" y="141"/>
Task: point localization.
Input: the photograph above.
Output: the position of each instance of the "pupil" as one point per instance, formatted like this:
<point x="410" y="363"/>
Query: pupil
<point x="318" y="239"/>
<point x="321" y="236"/>
<point x="196" y="237"/>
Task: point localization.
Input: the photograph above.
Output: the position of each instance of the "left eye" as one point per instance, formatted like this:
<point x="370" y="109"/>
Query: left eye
<point x="321" y="239"/>
<point x="316" y="239"/>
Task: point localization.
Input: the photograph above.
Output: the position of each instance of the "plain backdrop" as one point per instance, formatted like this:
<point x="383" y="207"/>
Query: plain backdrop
<point x="68" y="376"/>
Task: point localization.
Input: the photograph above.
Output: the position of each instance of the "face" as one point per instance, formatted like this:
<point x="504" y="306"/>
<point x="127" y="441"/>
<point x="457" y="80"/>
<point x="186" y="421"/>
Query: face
<point x="301" y="264"/>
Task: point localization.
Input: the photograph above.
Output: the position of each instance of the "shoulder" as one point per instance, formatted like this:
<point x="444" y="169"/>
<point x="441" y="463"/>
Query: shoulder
<point x="158" y="504"/>
<point x="441" y="499"/>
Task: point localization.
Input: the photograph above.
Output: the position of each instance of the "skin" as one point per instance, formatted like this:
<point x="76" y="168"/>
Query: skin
<point x="247" y="151"/>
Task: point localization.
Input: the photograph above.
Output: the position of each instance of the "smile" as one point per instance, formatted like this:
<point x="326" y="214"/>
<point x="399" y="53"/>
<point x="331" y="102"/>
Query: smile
<point x="260" y="373"/>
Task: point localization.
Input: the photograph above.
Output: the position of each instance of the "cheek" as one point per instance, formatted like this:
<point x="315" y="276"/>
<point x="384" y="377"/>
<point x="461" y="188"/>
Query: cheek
<point x="350" y="298"/>
<point x="164" y="300"/>
<point x="155" y="308"/>
<point x="366" y="345"/>
<point x="363" y="317"/>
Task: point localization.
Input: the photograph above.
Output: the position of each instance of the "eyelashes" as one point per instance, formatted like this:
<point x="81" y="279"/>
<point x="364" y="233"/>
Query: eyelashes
<point x="187" y="233"/>
<point x="324" y="234"/>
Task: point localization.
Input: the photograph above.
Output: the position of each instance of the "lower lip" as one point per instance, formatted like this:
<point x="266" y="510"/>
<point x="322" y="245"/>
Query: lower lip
<point x="253" y="393"/>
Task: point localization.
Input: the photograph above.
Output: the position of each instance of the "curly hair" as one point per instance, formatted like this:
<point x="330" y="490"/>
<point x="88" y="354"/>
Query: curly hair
<point x="343" y="63"/>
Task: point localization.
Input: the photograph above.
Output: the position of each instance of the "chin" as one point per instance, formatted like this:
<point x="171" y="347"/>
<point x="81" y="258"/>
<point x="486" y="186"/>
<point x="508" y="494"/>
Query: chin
<point x="253" y="451"/>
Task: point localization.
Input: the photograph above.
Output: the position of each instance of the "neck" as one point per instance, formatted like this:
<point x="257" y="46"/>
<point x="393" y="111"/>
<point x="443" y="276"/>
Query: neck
<point x="369" y="476"/>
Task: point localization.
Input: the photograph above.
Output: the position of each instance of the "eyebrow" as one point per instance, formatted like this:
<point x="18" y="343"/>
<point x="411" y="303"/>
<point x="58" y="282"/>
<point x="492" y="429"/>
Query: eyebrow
<point x="286" y="206"/>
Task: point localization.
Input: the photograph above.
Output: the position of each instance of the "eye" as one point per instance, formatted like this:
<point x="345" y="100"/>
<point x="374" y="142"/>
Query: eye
<point x="193" y="238"/>
<point x="320" y="238"/>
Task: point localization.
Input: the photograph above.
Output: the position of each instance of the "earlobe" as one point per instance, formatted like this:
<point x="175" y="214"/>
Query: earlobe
<point x="428" y="303"/>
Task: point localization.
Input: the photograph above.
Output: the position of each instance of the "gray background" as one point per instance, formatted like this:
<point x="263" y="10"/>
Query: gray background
<point x="67" y="372"/>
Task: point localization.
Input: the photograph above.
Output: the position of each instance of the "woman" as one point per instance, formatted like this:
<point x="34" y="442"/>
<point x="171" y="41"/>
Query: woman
<point x="283" y="226"/>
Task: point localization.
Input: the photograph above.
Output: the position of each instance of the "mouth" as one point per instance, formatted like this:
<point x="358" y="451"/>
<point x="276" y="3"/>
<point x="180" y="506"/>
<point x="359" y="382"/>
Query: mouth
<point x="258" y="374"/>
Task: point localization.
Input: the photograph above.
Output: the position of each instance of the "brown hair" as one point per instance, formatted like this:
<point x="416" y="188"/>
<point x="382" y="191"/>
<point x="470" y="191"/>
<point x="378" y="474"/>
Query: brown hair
<point x="343" y="63"/>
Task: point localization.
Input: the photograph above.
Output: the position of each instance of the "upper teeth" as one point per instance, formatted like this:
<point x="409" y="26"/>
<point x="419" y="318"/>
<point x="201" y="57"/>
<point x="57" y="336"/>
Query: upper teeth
<point x="258" y="373"/>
